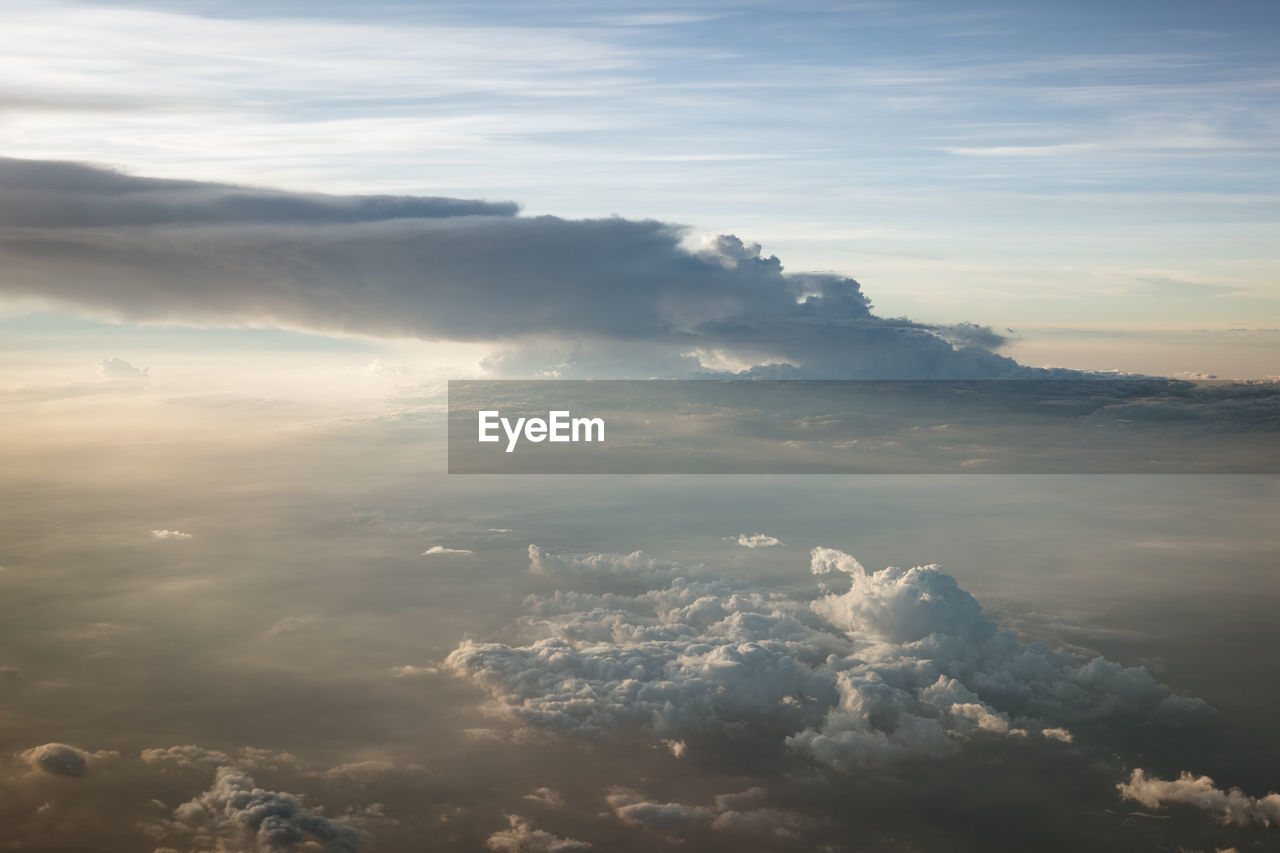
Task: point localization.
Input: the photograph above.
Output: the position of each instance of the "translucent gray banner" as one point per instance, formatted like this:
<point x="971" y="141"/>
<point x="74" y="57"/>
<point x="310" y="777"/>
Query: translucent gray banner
<point x="1089" y="426"/>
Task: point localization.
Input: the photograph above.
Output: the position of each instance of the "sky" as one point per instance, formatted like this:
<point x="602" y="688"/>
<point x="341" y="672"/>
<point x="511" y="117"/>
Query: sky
<point x="1099" y="178"/>
<point x="245" y="607"/>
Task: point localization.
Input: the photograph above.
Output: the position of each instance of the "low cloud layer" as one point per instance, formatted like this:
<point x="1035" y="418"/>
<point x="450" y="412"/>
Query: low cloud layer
<point x="569" y="297"/>
<point x="901" y="665"/>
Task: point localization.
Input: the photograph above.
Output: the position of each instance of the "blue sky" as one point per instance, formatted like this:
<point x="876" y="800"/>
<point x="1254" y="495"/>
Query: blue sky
<point x="1051" y="167"/>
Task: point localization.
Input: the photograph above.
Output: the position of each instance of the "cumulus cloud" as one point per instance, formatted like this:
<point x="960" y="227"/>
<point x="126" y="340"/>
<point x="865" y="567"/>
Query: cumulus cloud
<point x="440" y="549"/>
<point x="758" y="540"/>
<point x="520" y="837"/>
<point x="59" y="759"/>
<point x="236" y="814"/>
<point x="173" y="535"/>
<point x="1230" y="806"/>
<point x="902" y="664"/>
<point x="584" y="297"/>
<point x="119" y="370"/>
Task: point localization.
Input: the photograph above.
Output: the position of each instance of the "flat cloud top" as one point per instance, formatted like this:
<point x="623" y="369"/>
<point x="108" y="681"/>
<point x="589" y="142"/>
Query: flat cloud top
<point x="623" y="296"/>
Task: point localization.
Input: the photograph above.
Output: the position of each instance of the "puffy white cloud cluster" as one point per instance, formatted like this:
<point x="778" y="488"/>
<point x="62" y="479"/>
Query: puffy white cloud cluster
<point x="758" y="540"/>
<point x="520" y="837"/>
<point x="902" y="664"/>
<point x="236" y="814"/>
<point x="1231" y="806"/>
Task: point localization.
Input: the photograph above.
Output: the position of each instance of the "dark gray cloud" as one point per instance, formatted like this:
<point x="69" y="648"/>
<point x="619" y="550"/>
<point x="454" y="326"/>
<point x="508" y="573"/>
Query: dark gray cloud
<point x="236" y="812"/>
<point x="620" y="291"/>
<point x="52" y="194"/>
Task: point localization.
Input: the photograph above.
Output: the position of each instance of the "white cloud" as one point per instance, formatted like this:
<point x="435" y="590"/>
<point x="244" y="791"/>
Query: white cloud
<point x="171" y="535"/>
<point x="758" y="540"/>
<point x="1230" y="806"/>
<point x="902" y="664"/>
<point x="520" y="837"/>
<point x="435" y="550"/>
<point x="119" y="370"/>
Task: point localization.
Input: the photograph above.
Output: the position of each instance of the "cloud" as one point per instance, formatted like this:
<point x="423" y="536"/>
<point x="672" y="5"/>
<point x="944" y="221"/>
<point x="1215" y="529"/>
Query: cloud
<point x="51" y="194"/>
<point x="176" y="535"/>
<point x="366" y="771"/>
<point x="634" y="808"/>
<point x="547" y="796"/>
<point x="737" y="813"/>
<point x="758" y="540"/>
<point x="119" y="370"/>
<point x="59" y="759"/>
<point x="1232" y="806"/>
<point x="235" y="813"/>
<point x="520" y="837"/>
<point x="440" y="549"/>
<point x="634" y="567"/>
<point x="289" y="624"/>
<point x="589" y="297"/>
<point x="903" y="664"/>
<point x="188" y="755"/>
<point x="409" y="671"/>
